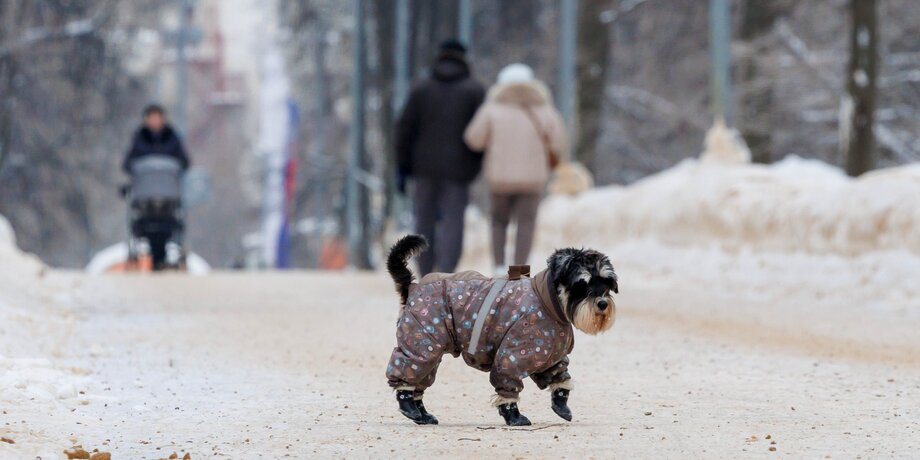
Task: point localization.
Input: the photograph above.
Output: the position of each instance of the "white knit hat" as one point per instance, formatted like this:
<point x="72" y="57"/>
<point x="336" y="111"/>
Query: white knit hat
<point x="515" y="73"/>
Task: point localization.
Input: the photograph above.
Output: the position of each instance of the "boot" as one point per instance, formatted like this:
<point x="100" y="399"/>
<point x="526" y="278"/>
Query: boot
<point x="408" y="406"/>
<point x="512" y="415"/>
<point x="427" y="418"/>
<point x="561" y="404"/>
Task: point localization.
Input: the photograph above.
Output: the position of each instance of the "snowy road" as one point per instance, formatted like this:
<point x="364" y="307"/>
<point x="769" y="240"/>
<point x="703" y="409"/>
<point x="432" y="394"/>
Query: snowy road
<point x="249" y="366"/>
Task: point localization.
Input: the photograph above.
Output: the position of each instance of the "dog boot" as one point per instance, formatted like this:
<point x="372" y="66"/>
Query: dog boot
<point x="427" y="418"/>
<point x="408" y="406"/>
<point x="512" y="415"/>
<point x="561" y="404"/>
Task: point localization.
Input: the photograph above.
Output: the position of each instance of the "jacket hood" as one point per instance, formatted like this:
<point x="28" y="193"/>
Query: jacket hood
<point x="164" y="134"/>
<point x="532" y="92"/>
<point x="543" y="286"/>
<point x="450" y="68"/>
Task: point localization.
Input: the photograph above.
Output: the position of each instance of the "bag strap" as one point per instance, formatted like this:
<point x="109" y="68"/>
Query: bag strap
<point x="544" y="136"/>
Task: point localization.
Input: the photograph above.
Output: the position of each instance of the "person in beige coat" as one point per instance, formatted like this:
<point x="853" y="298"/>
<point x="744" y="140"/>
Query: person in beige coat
<point x="517" y="129"/>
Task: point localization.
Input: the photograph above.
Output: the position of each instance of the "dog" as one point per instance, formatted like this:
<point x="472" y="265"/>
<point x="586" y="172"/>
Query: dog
<point x="513" y="328"/>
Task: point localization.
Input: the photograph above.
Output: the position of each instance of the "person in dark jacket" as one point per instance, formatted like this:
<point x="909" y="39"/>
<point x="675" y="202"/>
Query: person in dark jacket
<point x="155" y="137"/>
<point x="430" y="150"/>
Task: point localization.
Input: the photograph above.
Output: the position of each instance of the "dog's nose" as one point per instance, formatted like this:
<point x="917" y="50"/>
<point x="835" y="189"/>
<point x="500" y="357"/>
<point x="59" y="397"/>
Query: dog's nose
<point x="602" y="305"/>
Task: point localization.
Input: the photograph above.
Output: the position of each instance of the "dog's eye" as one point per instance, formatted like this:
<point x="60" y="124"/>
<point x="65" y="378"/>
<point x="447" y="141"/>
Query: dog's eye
<point x="580" y="288"/>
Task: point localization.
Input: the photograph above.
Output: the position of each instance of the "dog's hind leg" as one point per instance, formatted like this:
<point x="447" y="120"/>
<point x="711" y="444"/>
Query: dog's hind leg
<point x="411" y="376"/>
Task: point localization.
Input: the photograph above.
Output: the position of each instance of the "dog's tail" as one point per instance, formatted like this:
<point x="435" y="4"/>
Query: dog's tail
<point x="397" y="262"/>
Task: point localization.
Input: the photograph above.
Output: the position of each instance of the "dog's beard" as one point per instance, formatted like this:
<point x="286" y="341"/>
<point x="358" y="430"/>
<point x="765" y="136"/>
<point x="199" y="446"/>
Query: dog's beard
<point x="587" y="318"/>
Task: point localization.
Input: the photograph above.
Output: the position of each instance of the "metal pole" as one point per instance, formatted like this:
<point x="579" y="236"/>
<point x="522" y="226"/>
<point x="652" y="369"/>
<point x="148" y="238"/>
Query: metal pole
<point x="180" y="119"/>
<point x="356" y="138"/>
<point x="320" y="183"/>
<point x="465" y="23"/>
<point x="719" y="43"/>
<point x="567" y="52"/>
<point x="401" y="55"/>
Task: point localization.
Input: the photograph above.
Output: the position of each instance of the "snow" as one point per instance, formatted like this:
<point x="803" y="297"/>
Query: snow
<point x="795" y="229"/>
<point x="118" y="253"/>
<point x="757" y="288"/>
<point x="30" y="336"/>
<point x="795" y="205"/>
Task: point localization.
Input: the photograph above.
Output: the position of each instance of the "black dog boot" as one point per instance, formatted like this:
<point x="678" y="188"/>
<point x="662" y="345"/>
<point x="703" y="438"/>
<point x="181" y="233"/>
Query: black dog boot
<point x="408" y="406"/>
<point x="427" y="418"/>
<point x="561" y="404"/>
<point x="512" y="415"/>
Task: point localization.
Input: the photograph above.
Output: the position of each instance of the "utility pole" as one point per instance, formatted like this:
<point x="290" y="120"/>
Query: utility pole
<point x="719" y="42"/>
<point x="567" y="51"/>
<point x="357" y="232"/>
<point x="465" y="23"/>
<point x="180" y="117"/>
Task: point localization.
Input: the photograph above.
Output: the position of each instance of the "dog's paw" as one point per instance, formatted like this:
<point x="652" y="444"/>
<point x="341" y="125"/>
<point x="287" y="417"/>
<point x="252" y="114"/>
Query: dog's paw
<point x="563" y="411"/>
<point x="408" y="406"/>
<point x="560" y="404"/>
<point x="427" y="418"/>
<point x="512" y="415"/>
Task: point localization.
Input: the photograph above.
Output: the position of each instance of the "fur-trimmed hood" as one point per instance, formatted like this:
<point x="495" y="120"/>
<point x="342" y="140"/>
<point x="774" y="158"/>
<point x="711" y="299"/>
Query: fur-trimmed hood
<point x="543" y="287"/>
<point x="532" y="92"/>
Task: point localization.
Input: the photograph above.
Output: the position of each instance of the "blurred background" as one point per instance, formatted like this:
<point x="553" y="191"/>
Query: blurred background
<point x="263" y="94"/>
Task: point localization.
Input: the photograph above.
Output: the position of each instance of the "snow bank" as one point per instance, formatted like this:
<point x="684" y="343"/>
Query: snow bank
<point x="794" y="205"/>
<point x="13" y="262"/>
<point x="118" y="253"/>
<point x="796" y="229"/>
<point x="34" y="322"/>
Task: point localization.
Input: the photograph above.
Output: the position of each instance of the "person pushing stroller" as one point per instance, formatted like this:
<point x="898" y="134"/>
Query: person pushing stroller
<point x="156" y="162"/>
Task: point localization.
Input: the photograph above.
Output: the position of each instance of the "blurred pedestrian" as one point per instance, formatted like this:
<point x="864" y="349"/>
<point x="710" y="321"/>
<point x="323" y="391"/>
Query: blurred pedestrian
<point x="430" y="150"/>
<point x="155" y="137"/>
<point x="523" y="137"/>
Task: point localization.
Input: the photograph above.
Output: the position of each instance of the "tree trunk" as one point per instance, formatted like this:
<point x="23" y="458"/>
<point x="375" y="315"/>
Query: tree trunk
<point x="756" y="104"/>
<point x="517" y="21"/>
<point x="594" y="42"/>
<point x="862" y="71"/>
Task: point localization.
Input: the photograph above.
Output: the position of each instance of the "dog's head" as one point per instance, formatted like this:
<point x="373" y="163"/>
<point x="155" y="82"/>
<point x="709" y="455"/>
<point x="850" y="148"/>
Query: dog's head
<point x="584" y="280"/>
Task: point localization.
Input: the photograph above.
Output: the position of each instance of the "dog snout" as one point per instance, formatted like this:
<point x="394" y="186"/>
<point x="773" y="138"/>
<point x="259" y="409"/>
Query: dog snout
<point x="602" y="304"/>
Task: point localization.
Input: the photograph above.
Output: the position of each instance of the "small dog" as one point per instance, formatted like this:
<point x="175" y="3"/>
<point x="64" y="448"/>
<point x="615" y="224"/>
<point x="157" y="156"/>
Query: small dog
<point x="513" y="328"/>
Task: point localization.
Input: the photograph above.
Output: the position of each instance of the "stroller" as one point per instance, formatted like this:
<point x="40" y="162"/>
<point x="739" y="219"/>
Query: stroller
<point x="155" y="214"/>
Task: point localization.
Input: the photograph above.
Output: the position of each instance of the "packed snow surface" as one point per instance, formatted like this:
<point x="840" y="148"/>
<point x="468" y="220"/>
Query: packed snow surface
<point x="777" y="297"/>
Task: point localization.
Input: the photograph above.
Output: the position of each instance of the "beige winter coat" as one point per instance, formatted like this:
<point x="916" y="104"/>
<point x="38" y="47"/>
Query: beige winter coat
<point x="515" y="157"/>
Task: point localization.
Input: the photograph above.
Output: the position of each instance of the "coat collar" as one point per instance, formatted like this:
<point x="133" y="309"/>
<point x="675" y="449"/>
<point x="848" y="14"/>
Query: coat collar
<point x="520" y="93"/>
<point x="543" y="285"/>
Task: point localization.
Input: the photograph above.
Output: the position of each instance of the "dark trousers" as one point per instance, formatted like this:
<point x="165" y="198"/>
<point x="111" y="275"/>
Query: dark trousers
<point x="522" y="208"/>
<point x="439" y="209"/>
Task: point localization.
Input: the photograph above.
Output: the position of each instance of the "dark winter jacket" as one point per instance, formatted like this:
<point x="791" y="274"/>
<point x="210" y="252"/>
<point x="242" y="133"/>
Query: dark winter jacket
<point x="146" y="142"/>
<point x="429" y="132"/>
<point x="524" y="333"/>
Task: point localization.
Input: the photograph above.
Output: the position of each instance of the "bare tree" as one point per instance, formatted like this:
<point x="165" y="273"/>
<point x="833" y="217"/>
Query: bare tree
<point x="861" y="87"/>
<point x="64" y="100"/>
<point x="594" y="44"/>
<point x="757" y="96"/>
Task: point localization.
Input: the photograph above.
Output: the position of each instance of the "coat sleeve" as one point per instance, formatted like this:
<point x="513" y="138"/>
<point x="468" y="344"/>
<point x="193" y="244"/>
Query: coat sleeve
<point x="557" y="373"/>
<point x="407" y="132"/>
<point x="181" y="154"/>
<point x="132" y="153"/>
<point x="558" y="135"/>
<point x="479" y="131"/>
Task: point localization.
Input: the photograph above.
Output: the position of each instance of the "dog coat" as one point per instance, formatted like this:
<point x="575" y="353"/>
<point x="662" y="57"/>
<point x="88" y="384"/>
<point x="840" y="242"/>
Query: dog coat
<point x="512" y="328"/>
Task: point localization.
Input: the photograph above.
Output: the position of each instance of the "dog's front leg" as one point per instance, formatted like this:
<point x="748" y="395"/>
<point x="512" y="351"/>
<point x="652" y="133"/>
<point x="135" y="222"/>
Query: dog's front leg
<point x="560" y="399"/>
<point x="508" y="386"/>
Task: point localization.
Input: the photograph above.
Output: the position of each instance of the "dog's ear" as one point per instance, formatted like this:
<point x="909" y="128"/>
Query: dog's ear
<point x="616" y="287"/>
<point x="559" y="261"/>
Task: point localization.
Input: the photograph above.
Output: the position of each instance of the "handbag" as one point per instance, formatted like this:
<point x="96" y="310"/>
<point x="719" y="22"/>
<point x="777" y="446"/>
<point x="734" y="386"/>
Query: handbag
<point x="552" y="159"/>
